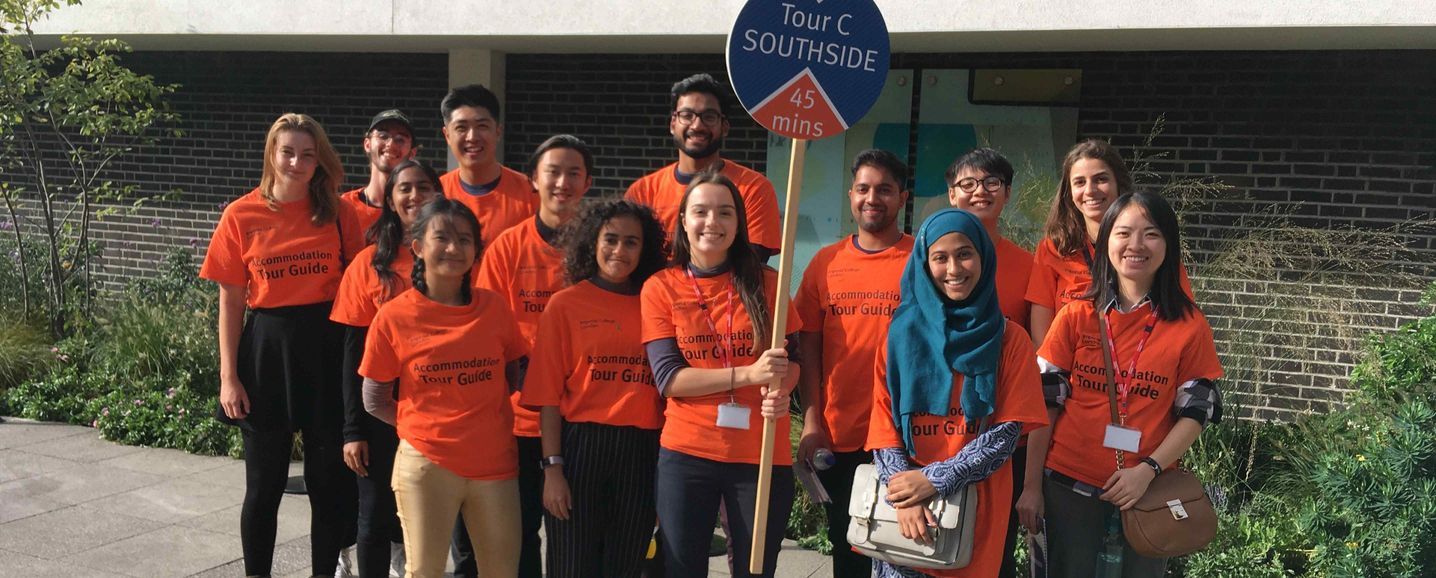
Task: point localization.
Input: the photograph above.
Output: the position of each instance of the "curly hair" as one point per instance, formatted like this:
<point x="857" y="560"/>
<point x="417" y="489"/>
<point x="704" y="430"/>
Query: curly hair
<point x="580" y="241"/>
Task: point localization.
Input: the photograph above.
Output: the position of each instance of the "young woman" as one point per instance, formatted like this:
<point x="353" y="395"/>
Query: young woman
<point x="956" y="386"/>
<point x="600" y="413"/>
<point x="1093" y="175"/>
<point x="1166" y="369"/>
<point x="453" y="352"/>
<point x="706" y="324"/>
<point x="380" y="273"/>
<point x="279" y="252"/>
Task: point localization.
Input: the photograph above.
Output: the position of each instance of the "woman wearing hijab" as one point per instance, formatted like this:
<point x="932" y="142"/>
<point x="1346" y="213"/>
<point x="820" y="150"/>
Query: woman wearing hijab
<point x="956" y="385"/>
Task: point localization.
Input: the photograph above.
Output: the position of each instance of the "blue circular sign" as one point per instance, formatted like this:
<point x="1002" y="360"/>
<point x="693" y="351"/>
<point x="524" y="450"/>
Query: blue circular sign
<point x="808" y="69"/>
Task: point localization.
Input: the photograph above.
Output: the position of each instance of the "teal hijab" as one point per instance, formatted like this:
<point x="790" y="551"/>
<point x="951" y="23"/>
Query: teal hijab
<point x="932" y="337"/>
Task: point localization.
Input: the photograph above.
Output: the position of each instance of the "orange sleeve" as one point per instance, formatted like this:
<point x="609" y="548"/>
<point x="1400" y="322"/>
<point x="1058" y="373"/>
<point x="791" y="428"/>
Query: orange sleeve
<point x="224" y="260"/>
<point x="1042" y="284"/>
<point x="493" y="270"/>
<point x="352" y="304"/>
<point x="808" y="302"/>
<point x="881" y="431"/>
<point x="793" y="323"/>
<point x="549" y="365"/>
<point x="381" y="361"/>
<point x="657" y="309"/>
<point x="1199" y="358"/>
<point x="764" y="226"/>
<point x="515" y="346"/>
<point x="1060" y="346"/>
<point x="353" y="233"/>
<point x="636" y="192"/>
<point x="1019" y="396"/>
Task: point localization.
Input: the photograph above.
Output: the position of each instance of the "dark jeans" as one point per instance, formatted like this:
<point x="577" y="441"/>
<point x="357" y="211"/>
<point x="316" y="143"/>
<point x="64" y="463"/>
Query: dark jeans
<point x="378" y="517"/>
<point x="331" y="496"/>
<point x="838" y="481"/>
<point x="530" y="511"/>
<point x="690" y="490"/>
<point x="1076" y="525"/>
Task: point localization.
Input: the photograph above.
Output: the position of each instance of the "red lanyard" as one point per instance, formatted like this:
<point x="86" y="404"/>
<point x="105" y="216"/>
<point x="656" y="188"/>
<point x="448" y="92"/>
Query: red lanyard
<point x="725" y="342"/>
<point x="1125" y="385"/>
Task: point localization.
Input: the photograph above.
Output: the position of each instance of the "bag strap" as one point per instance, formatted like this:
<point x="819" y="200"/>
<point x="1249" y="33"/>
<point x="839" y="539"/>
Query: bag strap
<point x="343" y="262"/>
<point x="1105" y="335"/>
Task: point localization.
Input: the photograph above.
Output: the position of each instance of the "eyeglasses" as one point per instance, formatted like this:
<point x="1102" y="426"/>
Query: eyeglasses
<point x="989" y="184"/>
<point x="709" y="117"/>
<point x="390" y="137"/>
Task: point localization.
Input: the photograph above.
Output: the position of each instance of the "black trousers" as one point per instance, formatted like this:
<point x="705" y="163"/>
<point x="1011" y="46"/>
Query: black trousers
<point x="610" y="472"/>
<point x="1019" y="466"/>
<point x="690" y="490"/>
<point x="530" y="512"/>
<point x="378" y="516"/>
<point x="331" y="497"/>
<point x="838" y="481"/>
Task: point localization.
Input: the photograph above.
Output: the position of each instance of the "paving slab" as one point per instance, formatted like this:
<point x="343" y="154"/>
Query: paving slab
<point x="293" y="519"/>
<point x="15" y="432"/>
<point x="169" y="552"/>
<point x="76" y="485"/>
<point x="54" y="535"/>
<point x="229" y="473"/>
<point x="81" y="448"/>
<point x="16" y="506"/>
<point x="16" y="464"/>
<point x="166" y="462"/>
<point x="17" y="564"/>
<point x="172" y="501"/>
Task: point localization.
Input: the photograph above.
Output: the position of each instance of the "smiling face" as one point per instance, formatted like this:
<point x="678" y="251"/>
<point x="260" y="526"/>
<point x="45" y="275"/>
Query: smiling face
<point x="969" y="192"/>
<point x="561" y="180"/>
<point x="1094" y="188"/>
<point x="620" y="244"/>
<point x="696" y="138"/>
<point x="447" y="247"/>
<point x="876" y="199"/>
<point x="388" y="145"/>
<point x="295" y="158"/>
<point x="473" y="136"/>
<point x="710" y="220"/>
<point x="412" y="188"/>
<point x="954" y="265"/>
<point x="1136" y="246"/>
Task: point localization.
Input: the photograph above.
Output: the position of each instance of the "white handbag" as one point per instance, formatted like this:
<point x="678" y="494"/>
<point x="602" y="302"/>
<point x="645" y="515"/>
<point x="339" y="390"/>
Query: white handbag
<point x="874" y="529"/>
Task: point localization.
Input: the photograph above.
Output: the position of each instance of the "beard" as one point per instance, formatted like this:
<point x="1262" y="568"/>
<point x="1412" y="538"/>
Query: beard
<point x="879" y="225"/>
<point x="714" y="145"/>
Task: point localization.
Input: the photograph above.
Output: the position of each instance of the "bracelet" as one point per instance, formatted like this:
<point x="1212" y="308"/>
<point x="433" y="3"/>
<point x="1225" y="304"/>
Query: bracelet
<point x="1156" y="467"/>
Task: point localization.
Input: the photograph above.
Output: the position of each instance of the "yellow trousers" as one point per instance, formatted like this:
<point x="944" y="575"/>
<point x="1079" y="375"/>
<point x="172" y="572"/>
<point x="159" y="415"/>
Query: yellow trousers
<point x="429" y="497"/>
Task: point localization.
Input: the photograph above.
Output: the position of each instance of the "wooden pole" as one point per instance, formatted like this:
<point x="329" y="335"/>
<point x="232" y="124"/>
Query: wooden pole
<point x="780" y="330"/>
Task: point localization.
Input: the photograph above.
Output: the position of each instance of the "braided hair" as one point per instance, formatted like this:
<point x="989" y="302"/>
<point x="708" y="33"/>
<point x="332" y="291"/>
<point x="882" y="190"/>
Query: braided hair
<point x="444" y="210"/>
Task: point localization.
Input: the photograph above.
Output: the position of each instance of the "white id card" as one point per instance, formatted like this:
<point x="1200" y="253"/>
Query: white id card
<point x="1122" y="438"/>
<point x="733" y="415"/>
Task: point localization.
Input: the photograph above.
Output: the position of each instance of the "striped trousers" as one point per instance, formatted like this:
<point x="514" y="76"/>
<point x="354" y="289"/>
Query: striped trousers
<point x="610" y="472"/>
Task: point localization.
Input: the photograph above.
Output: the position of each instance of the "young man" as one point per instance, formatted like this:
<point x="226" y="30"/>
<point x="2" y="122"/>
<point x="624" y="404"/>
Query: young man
<point x="846" y="300"/>
<point x="980" y="182"/>
<point x="499" y="196"/>
<point x="389" y="141"/>
<point x="698" y="126"/>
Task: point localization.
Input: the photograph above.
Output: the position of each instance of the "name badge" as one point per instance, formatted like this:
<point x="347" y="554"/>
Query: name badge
<point x="1122" y="438"/>
<point x="733" y="415"/>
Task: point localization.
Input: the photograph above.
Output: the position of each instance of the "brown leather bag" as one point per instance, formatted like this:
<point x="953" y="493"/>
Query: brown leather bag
<point x="1175" y="517"/>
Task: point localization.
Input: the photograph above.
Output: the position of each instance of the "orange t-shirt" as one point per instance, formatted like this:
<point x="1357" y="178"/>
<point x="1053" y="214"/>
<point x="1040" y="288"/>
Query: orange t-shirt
<point x="662" y="191"/>
<point x="670" y="309"/>
<point x="592" y="364"/>
<point x="940" y="437"/>
<point x="280" y="257"/>
<point x="1177" y="352"/>
<point x="453" y="396"/>
<point x="1014" y="267"/>
<point x="1061" y="279"/>
<point x="526" y="272"/>
<point x="512" y="201"/>
<point x="849" y="295"/>
<point x="367" y="215"/>
<point x="361" y="293"/>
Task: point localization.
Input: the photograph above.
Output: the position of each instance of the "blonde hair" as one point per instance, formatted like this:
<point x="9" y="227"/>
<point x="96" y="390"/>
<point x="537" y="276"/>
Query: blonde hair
<point x="324" y="186"/>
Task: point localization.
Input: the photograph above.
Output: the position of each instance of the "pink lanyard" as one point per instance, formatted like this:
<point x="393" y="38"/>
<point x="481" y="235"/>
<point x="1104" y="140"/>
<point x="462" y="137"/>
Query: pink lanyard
<point x="725" y="342"/>
<point x="1125" y="385"/>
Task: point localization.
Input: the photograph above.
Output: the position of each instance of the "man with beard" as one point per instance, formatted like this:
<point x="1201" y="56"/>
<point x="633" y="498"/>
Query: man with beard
<point x="846" y="300"/>
<point x="390" y="141"/>
<point x="698" y="126"/>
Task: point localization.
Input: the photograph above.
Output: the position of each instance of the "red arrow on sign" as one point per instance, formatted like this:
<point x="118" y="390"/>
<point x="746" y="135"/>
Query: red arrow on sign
<point x="800" y="109"/>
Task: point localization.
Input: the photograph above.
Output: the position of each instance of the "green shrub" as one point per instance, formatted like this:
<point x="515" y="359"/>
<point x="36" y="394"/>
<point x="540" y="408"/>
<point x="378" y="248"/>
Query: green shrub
<point x="146" y="414"/>
<point x="24" y="349"/>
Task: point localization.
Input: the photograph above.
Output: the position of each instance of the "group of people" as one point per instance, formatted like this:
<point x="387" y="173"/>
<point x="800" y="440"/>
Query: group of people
<point x="476" y="357"/>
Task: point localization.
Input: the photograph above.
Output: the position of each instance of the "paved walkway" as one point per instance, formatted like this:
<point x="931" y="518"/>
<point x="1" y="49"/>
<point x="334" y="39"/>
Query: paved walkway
<point x="74" y="505"/>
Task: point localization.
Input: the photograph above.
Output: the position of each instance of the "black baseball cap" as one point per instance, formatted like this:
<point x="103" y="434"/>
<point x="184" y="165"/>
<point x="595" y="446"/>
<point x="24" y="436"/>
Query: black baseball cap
<point x="395" y="115"/>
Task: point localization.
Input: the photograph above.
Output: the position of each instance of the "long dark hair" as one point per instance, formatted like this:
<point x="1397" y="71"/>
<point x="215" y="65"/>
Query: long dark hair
<point x="1066" y="226"/>
<point x="451" y="211"/>
<point x="580" y="241"/>
<point x="747" y="269"/>
<point x="1171" y="302"/>
<point x="387" y="234"/>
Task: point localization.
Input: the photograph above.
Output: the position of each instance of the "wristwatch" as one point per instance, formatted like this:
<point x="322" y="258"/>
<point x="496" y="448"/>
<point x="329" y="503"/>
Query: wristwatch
<point x="550" y="461"/>
<point x="1156" y="467"/>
